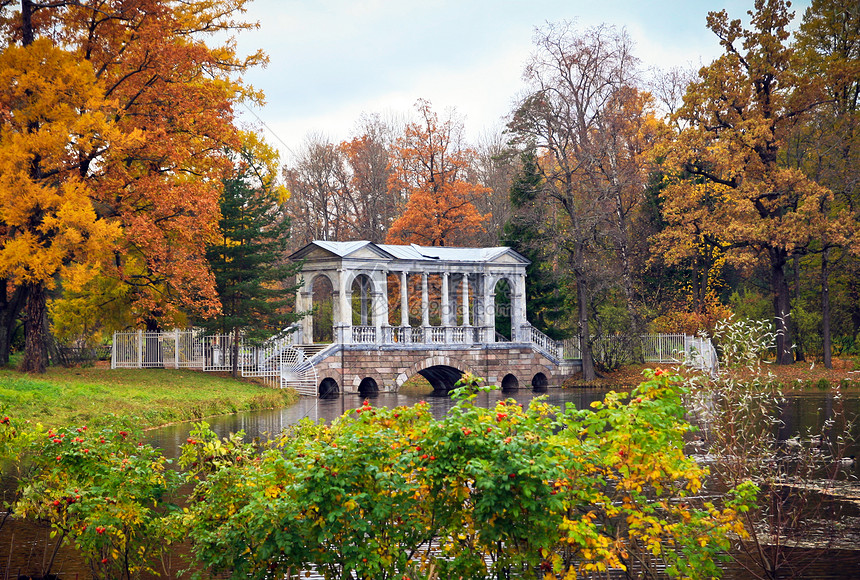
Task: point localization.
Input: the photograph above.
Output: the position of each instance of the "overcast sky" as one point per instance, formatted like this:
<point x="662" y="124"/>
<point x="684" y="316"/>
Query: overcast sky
<point x="332" y="60"/>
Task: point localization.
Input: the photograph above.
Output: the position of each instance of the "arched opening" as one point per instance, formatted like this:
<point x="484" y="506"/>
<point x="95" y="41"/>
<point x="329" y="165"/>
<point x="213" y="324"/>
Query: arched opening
<point x="361" y="300"/>
<point x="502" y="310"/>
<point x="462" y="299"/>
<point x="442" y="378"/>
<point x="368" y="387"/>
<point x="510" y="383"/>
<point x="539" y="383"/>
<point x="329" y="389"/>
<point x="395" y="313"/>
<point x="323" y="310"/>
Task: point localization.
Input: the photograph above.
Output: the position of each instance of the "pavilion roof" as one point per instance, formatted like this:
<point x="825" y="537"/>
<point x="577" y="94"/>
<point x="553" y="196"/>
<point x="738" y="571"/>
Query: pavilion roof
<point x="411" y="252"/>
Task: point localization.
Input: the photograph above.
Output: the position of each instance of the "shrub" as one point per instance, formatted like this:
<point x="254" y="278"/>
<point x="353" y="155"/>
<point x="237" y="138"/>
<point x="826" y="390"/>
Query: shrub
<point x="503" y="492"/>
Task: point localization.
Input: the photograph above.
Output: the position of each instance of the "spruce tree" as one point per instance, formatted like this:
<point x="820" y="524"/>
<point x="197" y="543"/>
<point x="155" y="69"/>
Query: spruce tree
<point x="545" y="305"/>
<point x="250" y="260"/>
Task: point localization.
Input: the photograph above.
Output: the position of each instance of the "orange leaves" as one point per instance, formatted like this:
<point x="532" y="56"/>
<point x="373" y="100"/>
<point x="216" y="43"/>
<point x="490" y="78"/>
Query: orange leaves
<point x="432" y="167"/>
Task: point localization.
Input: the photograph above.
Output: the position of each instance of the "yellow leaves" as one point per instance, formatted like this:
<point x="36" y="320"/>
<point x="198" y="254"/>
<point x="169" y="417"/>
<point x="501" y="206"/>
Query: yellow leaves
<point x="52" y="100"/>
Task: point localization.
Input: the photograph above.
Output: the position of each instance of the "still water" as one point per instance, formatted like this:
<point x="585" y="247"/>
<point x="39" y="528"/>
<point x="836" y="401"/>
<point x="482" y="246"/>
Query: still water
<point x="263" y="424"/>
<point x="22" y="548"/>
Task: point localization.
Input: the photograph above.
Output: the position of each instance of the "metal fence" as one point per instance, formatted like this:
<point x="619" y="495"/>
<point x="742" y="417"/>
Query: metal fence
<point x="684" y="349"/>
<point x="211" y="352"/>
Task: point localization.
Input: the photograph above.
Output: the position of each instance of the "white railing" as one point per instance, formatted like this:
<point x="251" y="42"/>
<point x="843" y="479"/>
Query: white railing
<point x="664" y="348"/>
<point x="570" y="349"/>
<point x="699" y="353"/>
<point x="364" y="334"/>
<point x="191" y="349"/>
<point x="545" y="343"/>
<point x="140" y="350"/>
<point x="695" y="352"/>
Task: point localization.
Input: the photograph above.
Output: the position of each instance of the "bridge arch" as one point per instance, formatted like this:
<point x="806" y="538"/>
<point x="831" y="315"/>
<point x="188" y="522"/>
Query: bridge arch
<point x="328" y="389"/>
<point x="368" y="386"/>
<point x="539" y="382"/>
<point x="510" y="383"/>
<point x="441" y="371"/>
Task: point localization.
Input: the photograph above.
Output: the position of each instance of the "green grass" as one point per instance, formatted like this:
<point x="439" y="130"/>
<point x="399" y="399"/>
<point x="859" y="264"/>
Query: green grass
<point x="149" y="397"/>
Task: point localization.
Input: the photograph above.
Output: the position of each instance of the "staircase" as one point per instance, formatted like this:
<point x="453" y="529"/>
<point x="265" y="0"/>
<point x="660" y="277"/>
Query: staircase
<point x="297" y="366"/>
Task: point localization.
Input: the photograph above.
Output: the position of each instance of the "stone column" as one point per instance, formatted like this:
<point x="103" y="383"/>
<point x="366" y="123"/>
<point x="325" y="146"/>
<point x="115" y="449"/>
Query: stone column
<point x="404" y="299"/>
<point x="343" y="313"/>
<point x="425" y="301"/>
<point x="304" y="302"/>
<point x="446" y="306"/>
<point x="518" y="309"/>
<point x="466" y="300"/>
<point x="488" y="310"/>
<point x="379" y="304"/>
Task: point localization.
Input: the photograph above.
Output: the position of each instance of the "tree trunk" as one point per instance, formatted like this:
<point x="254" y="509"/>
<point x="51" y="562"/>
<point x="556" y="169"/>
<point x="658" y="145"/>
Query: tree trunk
<point x="235" y="348"/>
<point x="781" y="306"/>
<point x="35" y="341"/>
<point x="588" y="373"/>
<point x="799" y="348"/>
<point x="10" y="308"/>
<point x="825" y="307"/>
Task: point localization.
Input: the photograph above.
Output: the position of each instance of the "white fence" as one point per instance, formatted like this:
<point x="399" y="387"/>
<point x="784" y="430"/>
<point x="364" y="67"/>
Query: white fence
<point x="683" y="349"/>
<point x="270" y="361"/>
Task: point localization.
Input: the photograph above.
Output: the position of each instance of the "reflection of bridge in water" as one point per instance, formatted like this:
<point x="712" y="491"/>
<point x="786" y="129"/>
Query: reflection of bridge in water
<point x="387" y="313"/>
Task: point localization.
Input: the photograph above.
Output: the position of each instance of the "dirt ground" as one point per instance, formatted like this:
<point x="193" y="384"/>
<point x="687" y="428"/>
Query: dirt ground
<point x="799" y="376"/>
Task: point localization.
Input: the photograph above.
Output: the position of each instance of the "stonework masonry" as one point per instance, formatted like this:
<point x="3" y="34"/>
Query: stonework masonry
<point x="389" y="366"/>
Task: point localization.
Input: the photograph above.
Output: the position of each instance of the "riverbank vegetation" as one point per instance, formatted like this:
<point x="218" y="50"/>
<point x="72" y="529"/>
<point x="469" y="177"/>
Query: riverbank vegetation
<point x="149" y="397"/>
<point x="387" y="493"/>
<point x="795" y="378"/>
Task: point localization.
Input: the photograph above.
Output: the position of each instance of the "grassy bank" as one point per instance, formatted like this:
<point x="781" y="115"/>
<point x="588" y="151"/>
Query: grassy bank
<point x="797" y="377"/>
<point x="150" y="397"/>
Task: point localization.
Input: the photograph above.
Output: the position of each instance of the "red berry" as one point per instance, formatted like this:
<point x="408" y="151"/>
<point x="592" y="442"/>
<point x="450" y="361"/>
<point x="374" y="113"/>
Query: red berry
<point x="424" y="456"/>
<point x="56" y="502"/>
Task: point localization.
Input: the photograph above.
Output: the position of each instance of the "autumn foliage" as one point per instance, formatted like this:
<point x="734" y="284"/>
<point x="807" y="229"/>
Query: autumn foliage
<point x="115" y="117"/>
<point x="432" y="166"/>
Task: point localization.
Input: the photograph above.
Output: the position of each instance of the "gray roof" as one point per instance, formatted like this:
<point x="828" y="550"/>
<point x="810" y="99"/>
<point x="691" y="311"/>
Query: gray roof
<point x="413" y="251"/>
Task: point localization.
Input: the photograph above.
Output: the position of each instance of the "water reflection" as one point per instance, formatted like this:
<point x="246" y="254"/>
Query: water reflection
<point x="265" y="424"/>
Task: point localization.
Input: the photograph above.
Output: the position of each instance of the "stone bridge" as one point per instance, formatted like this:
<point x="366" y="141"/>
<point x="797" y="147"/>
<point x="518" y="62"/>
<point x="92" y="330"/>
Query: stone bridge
<point x="365" y="369"/>
<point x="389" y="312"/>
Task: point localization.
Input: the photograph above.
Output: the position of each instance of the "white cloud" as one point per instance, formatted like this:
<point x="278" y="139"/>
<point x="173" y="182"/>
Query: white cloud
<point x="333" y="60"/>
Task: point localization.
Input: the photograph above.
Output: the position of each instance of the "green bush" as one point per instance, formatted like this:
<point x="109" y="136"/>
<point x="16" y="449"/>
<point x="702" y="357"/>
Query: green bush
<point x="538" y="491"/>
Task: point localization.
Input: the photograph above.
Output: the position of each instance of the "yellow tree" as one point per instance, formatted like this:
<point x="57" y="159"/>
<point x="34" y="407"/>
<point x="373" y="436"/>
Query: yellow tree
<point x="153" y="167"/>
<point x="50" y="225"/>
<point x="431" y="164"/>
<point x="728" y="161"/>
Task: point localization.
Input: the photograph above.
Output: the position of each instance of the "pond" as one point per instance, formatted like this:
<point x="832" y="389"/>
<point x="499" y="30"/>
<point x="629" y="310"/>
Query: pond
<point x="22" y="547"/>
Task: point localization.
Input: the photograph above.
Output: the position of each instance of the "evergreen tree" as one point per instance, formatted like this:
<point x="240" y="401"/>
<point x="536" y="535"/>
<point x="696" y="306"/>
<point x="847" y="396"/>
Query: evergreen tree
<point x="250" y="265"/>
<point x="545" y="306"/>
